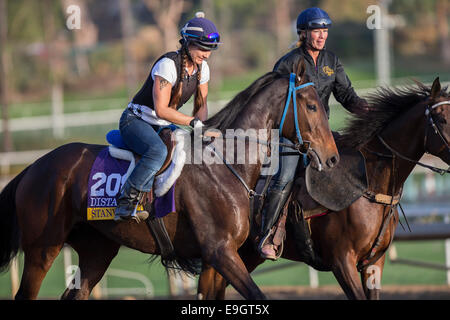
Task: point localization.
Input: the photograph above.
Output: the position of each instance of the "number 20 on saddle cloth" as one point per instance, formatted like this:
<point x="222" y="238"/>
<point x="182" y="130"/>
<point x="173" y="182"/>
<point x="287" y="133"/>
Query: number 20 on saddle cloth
<point x="112" y="167"/>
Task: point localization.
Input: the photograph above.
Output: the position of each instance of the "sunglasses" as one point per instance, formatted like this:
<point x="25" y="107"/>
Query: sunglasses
<point x="213" y="37"/>
<point x="319" y="23"/>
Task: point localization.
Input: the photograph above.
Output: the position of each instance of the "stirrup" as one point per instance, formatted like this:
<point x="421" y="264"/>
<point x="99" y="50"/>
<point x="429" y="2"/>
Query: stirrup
<point x="140" y="215"/>
<point x="267" y="241"/>
<point x="136" y="215"/>
<point x="269" y="254"/>
<point x="128" y="203"/>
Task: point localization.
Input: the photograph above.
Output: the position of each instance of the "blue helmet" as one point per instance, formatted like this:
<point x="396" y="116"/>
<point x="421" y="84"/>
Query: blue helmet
<point x="313" y="18"/>
<point x="202" y="32"/>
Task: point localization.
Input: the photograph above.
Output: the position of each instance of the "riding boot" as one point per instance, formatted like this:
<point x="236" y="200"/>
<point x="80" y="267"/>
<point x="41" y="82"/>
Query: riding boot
<point x="127" y="204"/>
<point x="272" y="207"/>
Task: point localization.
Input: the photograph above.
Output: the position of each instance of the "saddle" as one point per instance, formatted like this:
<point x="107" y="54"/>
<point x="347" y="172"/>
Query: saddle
<point x="164" y="179"/>
<point x="115" y="139"/>
<point x="316" y="193"/>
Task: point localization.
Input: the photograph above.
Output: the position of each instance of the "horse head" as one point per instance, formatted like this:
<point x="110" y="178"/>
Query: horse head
<point x="437" y="127"/>
<point x="312" y="121"/>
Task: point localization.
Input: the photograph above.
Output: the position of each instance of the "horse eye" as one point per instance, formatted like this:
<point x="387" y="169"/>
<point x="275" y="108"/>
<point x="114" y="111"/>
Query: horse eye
<point x="311" y="107"/>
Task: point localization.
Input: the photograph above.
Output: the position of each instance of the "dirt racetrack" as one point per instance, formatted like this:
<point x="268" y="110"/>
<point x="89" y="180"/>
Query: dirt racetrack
<point x="388" y="292"/>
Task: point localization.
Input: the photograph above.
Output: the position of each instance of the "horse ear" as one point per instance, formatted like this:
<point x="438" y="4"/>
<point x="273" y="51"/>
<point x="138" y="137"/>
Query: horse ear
<point x="301" y="68"/>
<point x="435" y="88"/>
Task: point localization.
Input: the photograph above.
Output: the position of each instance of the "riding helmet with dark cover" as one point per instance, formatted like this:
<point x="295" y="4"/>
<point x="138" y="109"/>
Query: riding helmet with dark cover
<point x="202" y="32"/>
<point x="313" y="18"/>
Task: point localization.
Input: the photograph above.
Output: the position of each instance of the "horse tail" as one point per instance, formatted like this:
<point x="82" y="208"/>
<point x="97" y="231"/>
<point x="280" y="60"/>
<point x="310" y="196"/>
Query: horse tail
<point x="9" y="228"/>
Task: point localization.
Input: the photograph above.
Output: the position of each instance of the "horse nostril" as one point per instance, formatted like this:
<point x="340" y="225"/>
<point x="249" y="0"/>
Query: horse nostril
<point x="331" y="162"/>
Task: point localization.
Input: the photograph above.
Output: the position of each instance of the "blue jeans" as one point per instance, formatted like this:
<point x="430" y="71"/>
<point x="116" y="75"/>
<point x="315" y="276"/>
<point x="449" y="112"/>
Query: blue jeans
<point x="143" y="140"/>
<point x="287" y="167"/>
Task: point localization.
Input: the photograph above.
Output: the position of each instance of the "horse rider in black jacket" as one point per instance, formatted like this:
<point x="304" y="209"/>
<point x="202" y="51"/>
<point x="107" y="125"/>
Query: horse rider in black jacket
<point x="325" y="70"/>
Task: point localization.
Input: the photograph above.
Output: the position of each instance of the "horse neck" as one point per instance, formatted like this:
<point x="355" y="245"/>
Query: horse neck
<point x="263" y="112"/>
<point x="406" y="136"/>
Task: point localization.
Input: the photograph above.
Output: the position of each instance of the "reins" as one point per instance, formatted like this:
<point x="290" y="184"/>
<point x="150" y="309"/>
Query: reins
<point x="398" y="154"/>
<point x="302" y="147"/>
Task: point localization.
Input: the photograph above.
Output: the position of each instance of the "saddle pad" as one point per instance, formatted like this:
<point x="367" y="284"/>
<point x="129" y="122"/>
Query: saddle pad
<point x="165" y="180"/>
<point x="339" y="187"/>
<point x="107" y="176"/>
<point x="166" y="203"/>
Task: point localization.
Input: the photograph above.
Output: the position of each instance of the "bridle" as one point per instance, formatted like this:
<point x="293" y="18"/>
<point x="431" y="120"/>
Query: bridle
<point x="436" y="129"/>
<point x="429" y="121"/>
<point x="301" y="147"/>
<point x="371" y="256"/>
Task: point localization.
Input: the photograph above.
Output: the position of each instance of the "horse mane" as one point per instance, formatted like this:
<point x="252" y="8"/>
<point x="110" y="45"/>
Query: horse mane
<point x="225" y="117"/>
<point x="386" y="105"/>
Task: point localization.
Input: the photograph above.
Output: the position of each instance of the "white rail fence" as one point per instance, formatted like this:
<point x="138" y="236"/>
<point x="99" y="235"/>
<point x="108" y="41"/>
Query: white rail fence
<point x="88" y="118"/>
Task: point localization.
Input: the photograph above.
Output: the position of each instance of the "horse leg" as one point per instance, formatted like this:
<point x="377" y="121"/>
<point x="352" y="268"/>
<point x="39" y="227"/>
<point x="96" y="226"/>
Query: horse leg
<point x="211" y="285"/>
<point x="229" y="264"/>
<point x="38" y="261"/>
<point x="347" y="275"/>
<point x="371" y="279"/>
<point x="93" y="260"/>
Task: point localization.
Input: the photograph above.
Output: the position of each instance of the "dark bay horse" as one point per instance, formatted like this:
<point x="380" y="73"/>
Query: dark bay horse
<point x="351" y="243"/>
<point x="45" y="205"/>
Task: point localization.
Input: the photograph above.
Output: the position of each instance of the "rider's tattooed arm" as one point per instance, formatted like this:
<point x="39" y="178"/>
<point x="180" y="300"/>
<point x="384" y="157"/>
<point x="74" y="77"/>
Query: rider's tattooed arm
<point x="162" y="83"/>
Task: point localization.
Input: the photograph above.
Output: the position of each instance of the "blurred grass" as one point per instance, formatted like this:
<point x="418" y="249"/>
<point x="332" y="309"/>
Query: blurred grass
<point x="295" y="275"/>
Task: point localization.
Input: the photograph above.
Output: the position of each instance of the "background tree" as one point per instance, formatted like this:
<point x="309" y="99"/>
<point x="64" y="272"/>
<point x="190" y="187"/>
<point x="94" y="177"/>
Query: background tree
<point x="167" y="14"/>
<point x="127" y="24"/>
<point x="7" y="143"/>
<point x="443" y="14"/>
<point x="84" y="38"/>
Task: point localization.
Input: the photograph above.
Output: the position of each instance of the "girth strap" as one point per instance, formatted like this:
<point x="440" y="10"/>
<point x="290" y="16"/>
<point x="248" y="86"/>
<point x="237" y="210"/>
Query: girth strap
<point x="382" y="198"/>
<point x="371" y="258"/>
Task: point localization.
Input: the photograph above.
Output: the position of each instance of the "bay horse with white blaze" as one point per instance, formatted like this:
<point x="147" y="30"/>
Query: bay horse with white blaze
<point x="45" y="205"/>
<point x="403" y="125"/>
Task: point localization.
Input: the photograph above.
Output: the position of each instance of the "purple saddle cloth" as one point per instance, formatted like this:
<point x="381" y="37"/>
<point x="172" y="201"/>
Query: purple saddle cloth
<point x="106" y="179"/>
